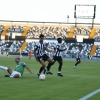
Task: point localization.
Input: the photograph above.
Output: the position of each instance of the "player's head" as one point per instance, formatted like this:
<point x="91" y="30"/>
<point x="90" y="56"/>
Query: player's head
<point x="59" y="40"/>
<point x="17" y="60"/>
<point x="41" y="37"/>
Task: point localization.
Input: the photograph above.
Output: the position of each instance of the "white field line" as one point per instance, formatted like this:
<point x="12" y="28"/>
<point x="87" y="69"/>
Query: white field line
<point x="70" y="75"/>
<point x="90" y="95"/>
<point x="65" y="75"/>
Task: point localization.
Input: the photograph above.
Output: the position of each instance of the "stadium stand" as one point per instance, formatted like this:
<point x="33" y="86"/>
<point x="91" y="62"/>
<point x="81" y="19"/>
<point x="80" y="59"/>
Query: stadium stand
<point x="93" y="50"/>
<point x="30" y="46"/>
<point x="26" y="31"/>
<point x="17" y="29"/>
<point x="50" y="32"/>
<point x="71" y="48"/>
<point x="5" y="30"/>
<point x="22" y="47"/>
<point x="97" y="53"/>
<point x="81" y="30"/>
<point x="1" y="28"/>
<point x="92" y="33"/>
<point x="15" y="46"/>
<point x="4" y="46"/>
<point x="70" y="35"/>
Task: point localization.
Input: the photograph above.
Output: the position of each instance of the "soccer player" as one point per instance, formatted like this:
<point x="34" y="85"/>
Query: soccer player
<point x="57" y="56"/>
<point x="30" y="54"/>
<point x="19" y="69"/>
<point x="40" y="55"/>
<point x="78" y="56"/>
<point x="7" y="53"/>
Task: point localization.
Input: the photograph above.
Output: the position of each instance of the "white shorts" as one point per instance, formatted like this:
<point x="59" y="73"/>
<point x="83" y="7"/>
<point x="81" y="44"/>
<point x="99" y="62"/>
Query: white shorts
<point x="14" y="73"/>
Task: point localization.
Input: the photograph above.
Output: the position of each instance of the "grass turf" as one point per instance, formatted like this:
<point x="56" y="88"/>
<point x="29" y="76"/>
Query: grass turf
<point x="75" y="84"/>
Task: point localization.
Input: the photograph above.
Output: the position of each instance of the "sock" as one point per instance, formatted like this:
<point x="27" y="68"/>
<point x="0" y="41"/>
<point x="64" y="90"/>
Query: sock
<point x="4" y="68"/>
<point x="60" y="66"/>
<point x="59" y="72"/>
<point x="41" y="69"/>
<point x="49" y="66"/>
<point x="45" y="70"/>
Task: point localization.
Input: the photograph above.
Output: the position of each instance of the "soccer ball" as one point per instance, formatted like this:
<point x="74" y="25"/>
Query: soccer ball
<point x="42" y="77"/>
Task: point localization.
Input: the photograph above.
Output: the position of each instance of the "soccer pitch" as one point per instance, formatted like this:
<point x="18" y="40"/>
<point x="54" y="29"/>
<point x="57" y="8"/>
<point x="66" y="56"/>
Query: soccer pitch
<point x="75" y="84"/>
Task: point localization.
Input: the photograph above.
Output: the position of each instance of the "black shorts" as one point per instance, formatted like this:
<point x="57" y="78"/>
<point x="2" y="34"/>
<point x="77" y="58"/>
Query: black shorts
<point x="44" y="57"/>
<point x="78" y="59"/>
<point x="57" y="58"/>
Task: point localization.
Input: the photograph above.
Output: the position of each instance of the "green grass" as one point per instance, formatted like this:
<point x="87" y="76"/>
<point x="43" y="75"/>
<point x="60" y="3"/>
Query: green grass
<point x="75" y="84"/>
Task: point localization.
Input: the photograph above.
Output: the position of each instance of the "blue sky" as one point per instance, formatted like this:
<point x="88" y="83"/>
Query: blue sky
<point x="43" y="10"/>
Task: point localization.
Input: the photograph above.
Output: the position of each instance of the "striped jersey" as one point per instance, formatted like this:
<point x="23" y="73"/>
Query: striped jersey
<point x="78" y="53"/>
<point x="40" y="48"/>
<point x="58" y="49"/>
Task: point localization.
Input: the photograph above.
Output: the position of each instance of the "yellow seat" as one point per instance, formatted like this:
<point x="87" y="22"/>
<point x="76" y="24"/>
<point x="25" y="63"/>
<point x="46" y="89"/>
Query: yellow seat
<point x="93" y="50"/>
<point x="22" y="47"/>
<point x="26" y="31"/>
<point x="71" y="33"/>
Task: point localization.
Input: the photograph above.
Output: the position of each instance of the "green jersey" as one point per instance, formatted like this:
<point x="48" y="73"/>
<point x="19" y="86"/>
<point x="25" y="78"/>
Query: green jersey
<point x="20" y="67"/>
<point x="7" y="53"/>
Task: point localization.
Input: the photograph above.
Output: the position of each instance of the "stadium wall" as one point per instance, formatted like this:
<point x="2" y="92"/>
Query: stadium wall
<point x="46" y="40"/>
<point x="96" y="43"/>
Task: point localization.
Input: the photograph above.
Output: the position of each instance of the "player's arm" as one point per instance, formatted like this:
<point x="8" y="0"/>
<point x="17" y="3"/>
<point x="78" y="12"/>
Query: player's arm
<point x="24" y="65"/>
<point x="58" y="49"/>
<point x="62" y="49"/>
<point x="28" y="69"/>
<point x="35" y="55"/>
<point x="54" y="48"/>
<point x="49" y="50"/>
<point x="79" y="54"/>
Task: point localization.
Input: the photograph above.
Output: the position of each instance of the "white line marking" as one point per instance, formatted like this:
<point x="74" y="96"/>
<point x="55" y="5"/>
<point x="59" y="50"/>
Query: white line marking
<point x="90" y="95"/>
<point x="81" y="76"/>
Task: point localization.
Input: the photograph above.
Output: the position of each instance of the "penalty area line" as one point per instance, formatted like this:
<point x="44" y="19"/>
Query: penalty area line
<point x="90" y="95"/>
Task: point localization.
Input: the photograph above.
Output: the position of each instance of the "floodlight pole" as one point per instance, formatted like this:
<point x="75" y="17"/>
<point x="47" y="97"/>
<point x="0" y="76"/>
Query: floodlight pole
<point x="67" y="18"/>
<point x="92" y="23"/>
<point x="75" y="22"/>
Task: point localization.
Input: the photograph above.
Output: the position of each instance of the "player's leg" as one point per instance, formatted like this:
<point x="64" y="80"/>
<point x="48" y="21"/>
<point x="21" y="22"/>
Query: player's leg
<point x="77" y="62"/>
<point x="60" y="66"/>
<point x="29" y="56"/>
<point x="15" y="74"/>
<point x="50" y="63"/>
<point x="41" y="68"/>
<point x="6" y="69"/>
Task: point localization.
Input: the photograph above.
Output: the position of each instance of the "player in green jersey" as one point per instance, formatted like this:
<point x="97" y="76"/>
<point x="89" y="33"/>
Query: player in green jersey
<point x="19" y="69"/>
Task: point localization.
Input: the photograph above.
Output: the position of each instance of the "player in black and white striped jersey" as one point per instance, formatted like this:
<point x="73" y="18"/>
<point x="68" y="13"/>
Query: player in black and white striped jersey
<point x="78" y="57"/>
<point x="40" y="55"/>
<point x="57" y="56"/>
